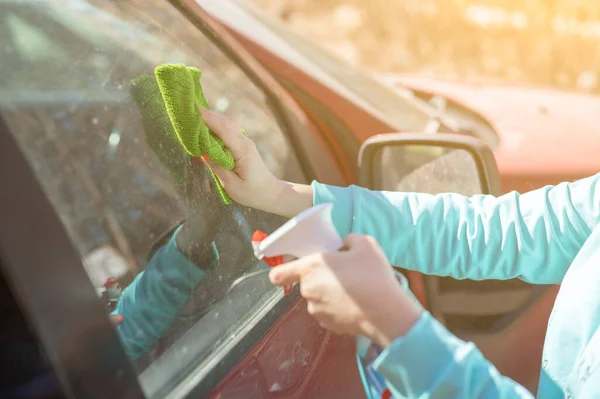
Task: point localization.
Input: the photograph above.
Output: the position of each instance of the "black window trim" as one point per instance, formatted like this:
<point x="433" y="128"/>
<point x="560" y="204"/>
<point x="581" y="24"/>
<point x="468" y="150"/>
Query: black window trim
<point x="40" y="263"/>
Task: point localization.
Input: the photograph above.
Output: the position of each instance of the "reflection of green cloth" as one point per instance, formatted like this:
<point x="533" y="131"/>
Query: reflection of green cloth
<point x="159" y="131"/>
<point x="169" y="104"/>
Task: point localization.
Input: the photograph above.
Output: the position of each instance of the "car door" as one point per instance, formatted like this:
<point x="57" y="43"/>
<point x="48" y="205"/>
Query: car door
<point x="67" y="103"/>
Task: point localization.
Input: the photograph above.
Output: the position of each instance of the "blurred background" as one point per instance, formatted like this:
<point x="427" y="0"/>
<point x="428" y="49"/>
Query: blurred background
<point x="543" y="42"/>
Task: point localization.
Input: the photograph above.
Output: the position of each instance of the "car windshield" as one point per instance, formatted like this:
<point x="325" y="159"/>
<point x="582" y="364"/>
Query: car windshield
<point x="398" y="107"/>
<point x="153" y="236"/>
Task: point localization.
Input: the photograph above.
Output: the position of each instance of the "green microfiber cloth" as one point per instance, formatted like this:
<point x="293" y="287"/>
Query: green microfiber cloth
<point x="169" y="104"/>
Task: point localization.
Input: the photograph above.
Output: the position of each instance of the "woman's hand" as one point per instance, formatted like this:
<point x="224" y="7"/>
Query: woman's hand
<point x="353" y="292"/>
<point x="251" y="183"/>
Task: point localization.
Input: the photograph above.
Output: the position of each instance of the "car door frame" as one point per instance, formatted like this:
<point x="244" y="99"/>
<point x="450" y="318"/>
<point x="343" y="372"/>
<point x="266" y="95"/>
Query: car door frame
<point x="40" y="262"/>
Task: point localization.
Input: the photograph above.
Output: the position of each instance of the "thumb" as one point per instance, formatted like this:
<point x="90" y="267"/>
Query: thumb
<point x="291" y="272"/>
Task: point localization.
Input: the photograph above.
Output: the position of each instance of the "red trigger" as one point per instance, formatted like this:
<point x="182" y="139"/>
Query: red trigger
<point x="272" y="261"/>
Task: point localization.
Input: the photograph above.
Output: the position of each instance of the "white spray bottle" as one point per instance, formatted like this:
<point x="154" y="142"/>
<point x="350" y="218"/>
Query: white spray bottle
<point x="309" y="232"/>
<point x="312" y="231"/>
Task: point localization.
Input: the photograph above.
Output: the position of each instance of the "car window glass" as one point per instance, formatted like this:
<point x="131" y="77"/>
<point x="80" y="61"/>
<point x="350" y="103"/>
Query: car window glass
<point x="29" y="42"/>
<point x="155" y="240"/>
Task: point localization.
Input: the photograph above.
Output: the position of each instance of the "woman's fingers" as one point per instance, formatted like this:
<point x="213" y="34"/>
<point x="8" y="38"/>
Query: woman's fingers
<point x="291" y="272"/>
<point x="227" y="130"/>
<point x="224" y="175"/>
<point x="286" y="274"/>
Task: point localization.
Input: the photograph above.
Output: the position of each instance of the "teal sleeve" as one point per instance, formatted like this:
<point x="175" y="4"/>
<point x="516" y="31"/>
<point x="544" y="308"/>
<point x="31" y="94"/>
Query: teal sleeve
<point x="150" y="304"/>
<point x="429" y="363"/>
<point x="532" y="236"/>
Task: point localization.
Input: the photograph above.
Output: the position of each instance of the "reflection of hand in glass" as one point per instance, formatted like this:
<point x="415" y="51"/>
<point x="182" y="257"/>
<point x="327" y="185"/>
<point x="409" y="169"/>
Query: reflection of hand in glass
<point x="116" y="319"/>
<point x="154" y="299"/>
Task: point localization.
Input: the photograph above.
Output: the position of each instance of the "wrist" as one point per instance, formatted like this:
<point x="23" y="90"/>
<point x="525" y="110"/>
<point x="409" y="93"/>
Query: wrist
<point x="290" y="199"/>
<point x="398" y="315"/>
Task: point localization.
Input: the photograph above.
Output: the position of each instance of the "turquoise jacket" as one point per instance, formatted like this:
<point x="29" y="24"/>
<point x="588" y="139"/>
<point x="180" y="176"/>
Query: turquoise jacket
<point x="547" y="236"/>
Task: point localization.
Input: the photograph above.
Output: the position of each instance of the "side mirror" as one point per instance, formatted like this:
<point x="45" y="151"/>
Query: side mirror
<point x="439" y="163"/>
<point x="431" y="163"/>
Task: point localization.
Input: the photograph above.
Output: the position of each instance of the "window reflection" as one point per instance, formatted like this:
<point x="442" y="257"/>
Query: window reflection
<point x="170" y="246"/>
<point x="428" y="169"/>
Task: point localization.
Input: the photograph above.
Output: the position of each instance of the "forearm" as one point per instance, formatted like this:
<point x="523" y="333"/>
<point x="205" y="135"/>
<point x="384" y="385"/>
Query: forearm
<point x="429" y="362"/>
<point x="534" y="236"/>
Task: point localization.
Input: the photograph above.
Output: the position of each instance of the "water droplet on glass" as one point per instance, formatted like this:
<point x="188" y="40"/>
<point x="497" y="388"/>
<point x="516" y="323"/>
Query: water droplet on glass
<point x="114" y="139"/>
